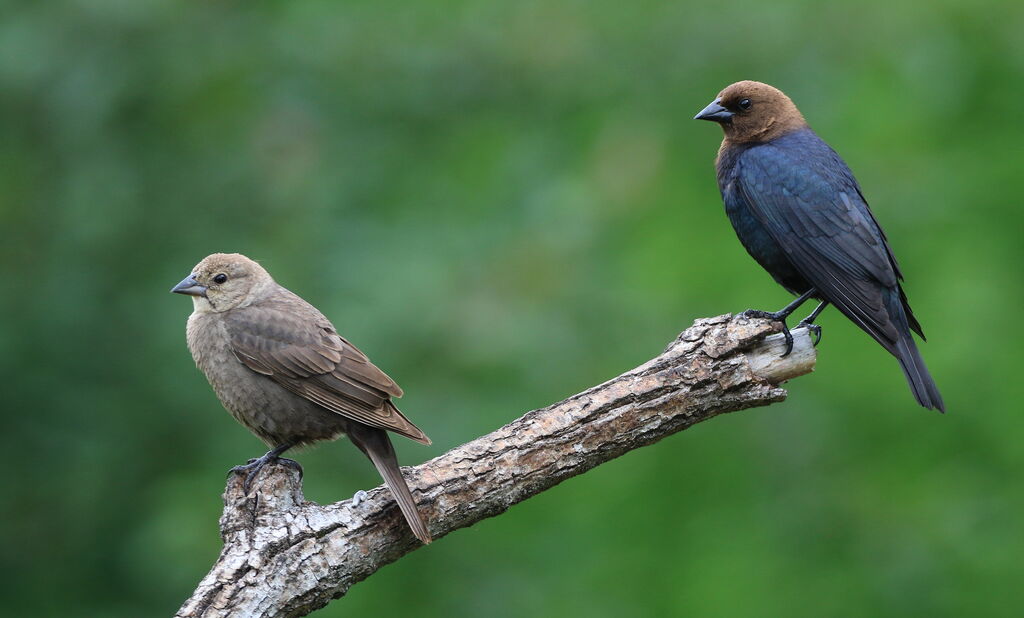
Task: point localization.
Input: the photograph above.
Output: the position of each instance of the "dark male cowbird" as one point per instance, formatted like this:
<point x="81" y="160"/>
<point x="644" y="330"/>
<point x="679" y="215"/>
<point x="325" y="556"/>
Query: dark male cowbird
<point x="282" y="370"/>
<point x="800" y="213"/>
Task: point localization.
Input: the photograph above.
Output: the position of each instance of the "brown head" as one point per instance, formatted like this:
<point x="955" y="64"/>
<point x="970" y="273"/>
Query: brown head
<point x="224" y="281"/>
<point x="753" y="112"/>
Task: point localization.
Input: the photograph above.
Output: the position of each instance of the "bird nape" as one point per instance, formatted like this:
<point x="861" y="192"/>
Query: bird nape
<point x="282" y="370"/>
<point x="800" y="213"/>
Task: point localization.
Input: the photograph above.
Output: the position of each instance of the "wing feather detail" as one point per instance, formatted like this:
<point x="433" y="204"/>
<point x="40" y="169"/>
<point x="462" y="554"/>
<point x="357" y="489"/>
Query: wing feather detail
<point x="289" y="341"/>
<point x="818" y="216"/>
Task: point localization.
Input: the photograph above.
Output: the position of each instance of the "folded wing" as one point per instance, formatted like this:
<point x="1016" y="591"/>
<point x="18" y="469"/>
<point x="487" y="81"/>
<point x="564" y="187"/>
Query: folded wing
<point x="815" y="211"/>
<point x="291" y="342"/>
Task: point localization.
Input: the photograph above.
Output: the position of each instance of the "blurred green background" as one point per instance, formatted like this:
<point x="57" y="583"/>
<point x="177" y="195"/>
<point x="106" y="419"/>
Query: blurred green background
<point x="504" y="203"/>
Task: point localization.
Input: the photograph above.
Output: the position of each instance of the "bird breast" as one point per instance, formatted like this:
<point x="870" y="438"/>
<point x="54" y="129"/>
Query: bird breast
<point x="263" y="406"/>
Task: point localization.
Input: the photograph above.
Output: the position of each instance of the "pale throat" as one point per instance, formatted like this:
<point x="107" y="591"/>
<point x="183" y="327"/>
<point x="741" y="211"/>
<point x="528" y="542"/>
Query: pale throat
<point x="201" y="304"/>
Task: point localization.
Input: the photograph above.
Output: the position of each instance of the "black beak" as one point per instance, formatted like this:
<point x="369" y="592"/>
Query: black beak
<point x="714" y="112"/>
<point x="190" y="286"/>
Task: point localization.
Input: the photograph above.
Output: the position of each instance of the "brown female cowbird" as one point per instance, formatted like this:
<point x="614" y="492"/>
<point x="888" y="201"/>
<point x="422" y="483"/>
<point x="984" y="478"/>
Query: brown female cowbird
<point x="282" y="370"/>
<point x="800" y="213"/>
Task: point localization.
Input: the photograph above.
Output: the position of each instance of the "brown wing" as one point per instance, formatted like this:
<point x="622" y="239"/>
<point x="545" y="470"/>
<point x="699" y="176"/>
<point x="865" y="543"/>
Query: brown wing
<point x="288" y="340"/>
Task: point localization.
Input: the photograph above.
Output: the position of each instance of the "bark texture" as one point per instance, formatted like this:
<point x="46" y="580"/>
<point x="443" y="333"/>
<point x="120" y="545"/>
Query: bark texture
<point x="286" y="556"/>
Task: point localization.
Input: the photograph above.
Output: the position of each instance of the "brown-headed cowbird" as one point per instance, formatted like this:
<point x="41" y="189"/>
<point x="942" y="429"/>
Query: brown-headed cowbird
<point x="282" y="370"/>
<point x="800" y="213"/>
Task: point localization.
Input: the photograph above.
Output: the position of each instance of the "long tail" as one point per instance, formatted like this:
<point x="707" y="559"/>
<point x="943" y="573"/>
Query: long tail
<point x="377" y="446"/>
<point x="905" y="351"/>
<point x="921" y="382"/>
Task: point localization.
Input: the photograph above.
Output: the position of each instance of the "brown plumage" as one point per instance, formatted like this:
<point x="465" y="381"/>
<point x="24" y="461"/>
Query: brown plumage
<point x="774" y="114"/>
<point x="282" y="370"/>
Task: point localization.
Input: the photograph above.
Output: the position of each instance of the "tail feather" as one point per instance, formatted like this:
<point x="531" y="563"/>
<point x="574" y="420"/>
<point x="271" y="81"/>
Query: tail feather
<point x="920" y="380"/>
<point x="906" y="352"/>
<point x="377" y="446"/>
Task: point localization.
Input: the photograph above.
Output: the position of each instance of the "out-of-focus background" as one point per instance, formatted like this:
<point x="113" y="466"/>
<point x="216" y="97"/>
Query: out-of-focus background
<point x="504" y="203"/>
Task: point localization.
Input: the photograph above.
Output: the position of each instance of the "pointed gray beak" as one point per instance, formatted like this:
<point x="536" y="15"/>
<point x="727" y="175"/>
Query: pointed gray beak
<point x="190" y="286"/>
<point x="714" y="112"/>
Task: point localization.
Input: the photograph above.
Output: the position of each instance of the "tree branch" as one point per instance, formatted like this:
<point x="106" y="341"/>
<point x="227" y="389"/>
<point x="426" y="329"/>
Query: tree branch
<point x="285" y="556"/>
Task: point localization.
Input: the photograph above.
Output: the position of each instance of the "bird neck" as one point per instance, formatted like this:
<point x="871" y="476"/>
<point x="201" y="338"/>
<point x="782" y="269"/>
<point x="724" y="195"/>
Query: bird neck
<point x="773" y="127"/>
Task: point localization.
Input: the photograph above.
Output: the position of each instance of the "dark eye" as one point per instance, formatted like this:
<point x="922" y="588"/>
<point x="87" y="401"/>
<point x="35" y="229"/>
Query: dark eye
<point x="745" y="104"/>
<point x="221" y="278"/>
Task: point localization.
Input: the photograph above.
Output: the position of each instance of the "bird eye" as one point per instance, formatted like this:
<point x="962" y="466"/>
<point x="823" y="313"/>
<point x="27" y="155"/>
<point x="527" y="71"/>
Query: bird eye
<point x="221" y="278"/>
<point x="745" y="104"/>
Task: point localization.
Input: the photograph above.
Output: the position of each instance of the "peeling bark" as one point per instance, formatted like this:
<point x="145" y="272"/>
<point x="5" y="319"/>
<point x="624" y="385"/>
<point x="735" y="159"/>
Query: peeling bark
<point x="286" y="556"/>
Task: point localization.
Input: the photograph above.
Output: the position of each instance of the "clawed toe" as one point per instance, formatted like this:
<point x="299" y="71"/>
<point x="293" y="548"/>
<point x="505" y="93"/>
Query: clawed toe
<point x="789" y="340"/>
<point x="777" y="316"/>
<point x="249" y="478"/>
<point x="242" y="469"/>
<point x="761" y="315"/>
<point x="780" y="316"/>
<point x="250" y="470"/>
<point x="814" y="329"/>
<point x="252" y="467"/>
<point x="291" y="463"/>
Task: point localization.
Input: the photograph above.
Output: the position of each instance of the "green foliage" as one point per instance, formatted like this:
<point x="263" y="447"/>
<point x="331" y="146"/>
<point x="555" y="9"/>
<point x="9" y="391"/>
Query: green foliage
<point x="504" y="203"/>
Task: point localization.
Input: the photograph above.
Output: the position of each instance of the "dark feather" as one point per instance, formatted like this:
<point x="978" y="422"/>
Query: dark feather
<point x="809" y="202"/>
<point x="799" y="211"/>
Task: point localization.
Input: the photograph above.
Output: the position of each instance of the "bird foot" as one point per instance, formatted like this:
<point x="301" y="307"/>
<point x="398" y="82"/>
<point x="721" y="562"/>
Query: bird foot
<point x="252" y="468"/>
<point x="291" y="463"/>
<point x="358" y="498"/>
<point x="777" y="316"/>
<point x="811" y="328"/>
